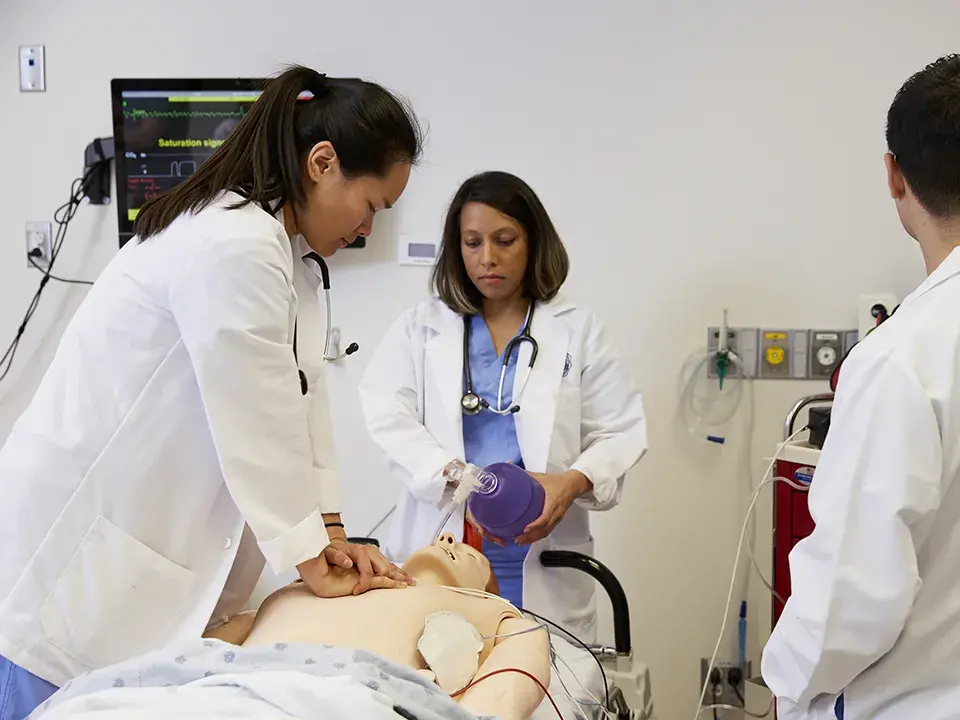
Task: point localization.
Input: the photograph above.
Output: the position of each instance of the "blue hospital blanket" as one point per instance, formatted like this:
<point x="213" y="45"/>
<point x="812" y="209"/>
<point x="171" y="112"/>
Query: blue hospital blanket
<point x="213" y="679"/>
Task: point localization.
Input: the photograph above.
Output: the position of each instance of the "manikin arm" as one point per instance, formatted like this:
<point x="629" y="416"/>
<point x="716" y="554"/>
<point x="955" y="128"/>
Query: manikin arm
<point x="511" y="695"/>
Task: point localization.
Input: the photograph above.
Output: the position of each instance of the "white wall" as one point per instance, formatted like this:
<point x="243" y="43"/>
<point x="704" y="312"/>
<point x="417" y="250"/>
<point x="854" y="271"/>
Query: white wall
<point x="694" y="155"/>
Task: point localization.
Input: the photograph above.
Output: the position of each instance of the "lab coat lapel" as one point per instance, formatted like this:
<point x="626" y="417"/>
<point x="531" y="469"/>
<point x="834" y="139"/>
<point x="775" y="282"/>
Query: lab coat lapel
<point x="947" y="270"/>
<point x="538" y="404"/>
<point x="443" y="376"/>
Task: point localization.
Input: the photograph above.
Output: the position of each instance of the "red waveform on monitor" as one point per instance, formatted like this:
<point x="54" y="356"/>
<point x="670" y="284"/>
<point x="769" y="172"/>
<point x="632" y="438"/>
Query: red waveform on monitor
<point x="146" y="187"/>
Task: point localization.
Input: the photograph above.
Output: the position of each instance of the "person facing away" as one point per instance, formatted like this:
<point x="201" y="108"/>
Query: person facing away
<point x="576" y="423"/>
<point x="171" y="449"/>
<point x="872" y="629"/>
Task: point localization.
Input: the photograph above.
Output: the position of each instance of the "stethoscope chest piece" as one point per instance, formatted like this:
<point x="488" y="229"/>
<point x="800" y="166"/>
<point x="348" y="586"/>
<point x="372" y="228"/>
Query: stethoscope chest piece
<point x="471" y="403"/>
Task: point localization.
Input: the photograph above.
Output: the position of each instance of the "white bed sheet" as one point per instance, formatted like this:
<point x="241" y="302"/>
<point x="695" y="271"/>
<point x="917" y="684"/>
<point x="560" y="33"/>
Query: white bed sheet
<point x="171" y="680"/>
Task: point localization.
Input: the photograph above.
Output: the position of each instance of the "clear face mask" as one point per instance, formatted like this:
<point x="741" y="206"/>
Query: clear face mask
<point x="468" y="478"/>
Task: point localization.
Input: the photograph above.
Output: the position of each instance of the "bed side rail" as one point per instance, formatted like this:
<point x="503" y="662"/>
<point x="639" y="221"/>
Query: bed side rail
<point x="602" y="574"/>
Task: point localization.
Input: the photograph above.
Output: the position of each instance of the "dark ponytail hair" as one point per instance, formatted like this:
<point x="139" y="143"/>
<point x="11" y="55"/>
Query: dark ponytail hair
<point x="262" y="159"/>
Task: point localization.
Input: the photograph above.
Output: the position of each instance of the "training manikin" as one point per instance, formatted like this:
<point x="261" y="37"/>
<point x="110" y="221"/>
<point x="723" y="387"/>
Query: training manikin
<point x="449" y="635"/>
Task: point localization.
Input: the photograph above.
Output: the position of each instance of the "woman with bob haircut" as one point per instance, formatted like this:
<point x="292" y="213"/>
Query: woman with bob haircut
<point x="498" y="367"/>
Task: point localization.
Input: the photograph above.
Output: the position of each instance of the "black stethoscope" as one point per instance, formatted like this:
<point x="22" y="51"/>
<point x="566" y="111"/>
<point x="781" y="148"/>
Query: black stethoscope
<point x="471" y="403"/>
<point x="351" y="348"/>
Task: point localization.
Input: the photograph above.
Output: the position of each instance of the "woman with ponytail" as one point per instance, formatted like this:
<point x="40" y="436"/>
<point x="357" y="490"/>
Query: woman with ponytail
<point x="180" y="438"/>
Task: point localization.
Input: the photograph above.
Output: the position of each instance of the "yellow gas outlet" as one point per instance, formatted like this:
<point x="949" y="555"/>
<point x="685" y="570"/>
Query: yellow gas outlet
<point x="775" y="349"/>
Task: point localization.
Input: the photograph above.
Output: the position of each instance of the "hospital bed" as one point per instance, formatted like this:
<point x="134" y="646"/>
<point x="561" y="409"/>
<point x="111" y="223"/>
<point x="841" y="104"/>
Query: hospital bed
<point x="199" y="680"/>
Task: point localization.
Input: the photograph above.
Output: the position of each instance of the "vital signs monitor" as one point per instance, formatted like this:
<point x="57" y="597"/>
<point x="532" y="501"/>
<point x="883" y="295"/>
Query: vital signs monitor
<point x="165" y="129"/>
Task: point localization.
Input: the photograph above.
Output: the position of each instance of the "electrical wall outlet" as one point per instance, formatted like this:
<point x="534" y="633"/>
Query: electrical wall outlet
<point x="39" y="237"/>
<point x="742" y="342"/>
<point x="867" y="307"/>
<point x="826" y="352"/>
<point x="728" y="684"/>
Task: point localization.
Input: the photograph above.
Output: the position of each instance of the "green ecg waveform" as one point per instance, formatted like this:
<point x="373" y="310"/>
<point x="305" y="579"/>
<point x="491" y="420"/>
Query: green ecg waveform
<point x="175" y="114"/>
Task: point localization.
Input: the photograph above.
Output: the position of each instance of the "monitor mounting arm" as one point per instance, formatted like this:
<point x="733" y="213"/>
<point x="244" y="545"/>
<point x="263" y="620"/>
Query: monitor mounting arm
<point x="96" y="170"/>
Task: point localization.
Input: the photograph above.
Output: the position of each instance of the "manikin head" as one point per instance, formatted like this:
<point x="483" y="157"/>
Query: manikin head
<point x="448" y="562"/>
<point x="923" y="162"/>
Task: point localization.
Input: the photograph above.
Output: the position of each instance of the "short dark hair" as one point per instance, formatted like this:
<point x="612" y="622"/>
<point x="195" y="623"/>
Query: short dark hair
<point x="262" y="159"/>
<point x="923" y="134"/>
<point x="548" y="262"/>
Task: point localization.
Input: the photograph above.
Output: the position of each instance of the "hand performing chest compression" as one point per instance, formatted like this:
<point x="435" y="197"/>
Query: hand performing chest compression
<point x="479" y="634"/>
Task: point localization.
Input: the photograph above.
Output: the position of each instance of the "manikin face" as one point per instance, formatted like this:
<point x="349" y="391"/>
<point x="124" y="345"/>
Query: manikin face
<point x="338" y="209"/>
<point x="494" y="248"/>
<point x="464" y="566"/>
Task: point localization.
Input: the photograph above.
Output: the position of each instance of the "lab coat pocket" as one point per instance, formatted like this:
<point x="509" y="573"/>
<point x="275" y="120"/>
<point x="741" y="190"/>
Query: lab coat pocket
<point x="110" y="602"/>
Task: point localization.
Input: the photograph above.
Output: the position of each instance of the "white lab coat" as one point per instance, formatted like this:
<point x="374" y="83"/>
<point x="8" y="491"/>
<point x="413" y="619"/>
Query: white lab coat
<point x="579" y="410"/>
<point x="171" y="415"/>
<point x="875" y="610"/>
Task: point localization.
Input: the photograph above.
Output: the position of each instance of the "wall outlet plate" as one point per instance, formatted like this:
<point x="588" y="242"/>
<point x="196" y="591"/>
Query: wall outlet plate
<point x="39" y="236"/>
<point x="776" y="354"/>
<point x="800" y="353"/>
<point x="726" y="695"/>
<point x="826" y="352"/>
<point x="784" y="354"/>
<point x="742" y="341"/>
<point x="865" y="318"/>
<point x="33" y="69"/>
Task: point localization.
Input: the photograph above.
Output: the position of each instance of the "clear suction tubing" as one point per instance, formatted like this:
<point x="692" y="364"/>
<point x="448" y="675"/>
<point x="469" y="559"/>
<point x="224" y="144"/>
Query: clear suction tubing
<point x="467" y="478"/>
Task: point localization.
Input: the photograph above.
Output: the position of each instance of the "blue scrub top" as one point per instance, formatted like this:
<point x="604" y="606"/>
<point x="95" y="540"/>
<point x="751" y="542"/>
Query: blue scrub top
<point x="21" y="692"/>
<point x="489" y="438"/>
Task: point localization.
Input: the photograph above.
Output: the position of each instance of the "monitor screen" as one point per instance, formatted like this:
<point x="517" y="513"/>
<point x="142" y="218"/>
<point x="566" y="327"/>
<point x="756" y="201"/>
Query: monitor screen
<point x="165" y="129"/>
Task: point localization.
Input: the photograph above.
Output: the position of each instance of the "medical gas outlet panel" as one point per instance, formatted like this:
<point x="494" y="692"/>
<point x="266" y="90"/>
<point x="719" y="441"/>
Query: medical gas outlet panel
<point x="781" y="354"/>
